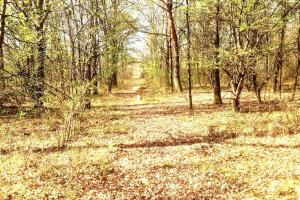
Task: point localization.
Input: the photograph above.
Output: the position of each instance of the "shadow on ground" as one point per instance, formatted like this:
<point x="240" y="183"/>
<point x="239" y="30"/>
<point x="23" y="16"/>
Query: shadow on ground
<point x="157" y="109"/>
<point x="216" y="138"/>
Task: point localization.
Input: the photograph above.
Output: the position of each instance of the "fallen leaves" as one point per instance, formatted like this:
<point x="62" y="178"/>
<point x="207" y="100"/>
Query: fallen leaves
<point x="152" y="151"/>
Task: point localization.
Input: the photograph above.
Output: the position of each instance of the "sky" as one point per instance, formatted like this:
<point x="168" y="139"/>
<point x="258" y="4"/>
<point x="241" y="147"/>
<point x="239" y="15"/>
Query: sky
<point x="138" y="40"/>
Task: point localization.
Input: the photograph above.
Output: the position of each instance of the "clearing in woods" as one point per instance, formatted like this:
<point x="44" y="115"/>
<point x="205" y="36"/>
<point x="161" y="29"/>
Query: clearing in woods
<point x="154" y="148"/>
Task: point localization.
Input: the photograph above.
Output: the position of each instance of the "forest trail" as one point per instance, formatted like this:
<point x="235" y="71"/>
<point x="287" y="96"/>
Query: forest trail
<point x="153" y="149"/>
<point x="159" y="150"/>
<point x="138" y="80"/>
<point x="135" y="85"/>
<point x="89" y="108"/>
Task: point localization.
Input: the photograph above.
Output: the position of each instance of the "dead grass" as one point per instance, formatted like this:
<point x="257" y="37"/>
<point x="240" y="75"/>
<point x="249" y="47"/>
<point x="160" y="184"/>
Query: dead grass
<point x="155" y="149"/>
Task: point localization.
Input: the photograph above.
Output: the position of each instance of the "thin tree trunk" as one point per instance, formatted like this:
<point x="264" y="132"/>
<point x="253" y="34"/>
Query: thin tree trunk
<point x="198" y="75"/>
<point x="115" y="79"/>
<point x="73" y="52"/>
<point x="253" y="72"/>
<point x="189" y="55"/>
<point x="298" y="65"/>
<point x="237" y="87"/>
<point x="93" y="30"/>
<point x="79" y="71"/>
<point x="171" y="66"/>
<point x="278" y="65"/>
<point x="167" y="62"/>
<point x="176" y="47"/>
<point x="215" y="74"/>
<point x="41" y="47"/>
<point x="87" y="78"/>
<point x="2" y="33"/>
<point x="168" y="49"/>
<point x="256" y="88"/>
<point x="236" y="104"/>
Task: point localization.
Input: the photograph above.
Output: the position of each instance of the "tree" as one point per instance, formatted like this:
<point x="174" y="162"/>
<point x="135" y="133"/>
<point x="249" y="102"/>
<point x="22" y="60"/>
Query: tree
<point x="41" y="48"/>
<point x="215" y="74"/>
<point x="298" y="63"/>
<point x="87" y="43"/>
<point x="173" y="32"/>
<point x="188" y="33"/>
<point x="32" y="20"/>
<point x="278" y="63"/>
<point x="2" y="34"/>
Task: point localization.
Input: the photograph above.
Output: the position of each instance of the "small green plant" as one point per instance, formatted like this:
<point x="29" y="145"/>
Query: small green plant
<point x="68" y="112"/>
<point x="22" y="114"/>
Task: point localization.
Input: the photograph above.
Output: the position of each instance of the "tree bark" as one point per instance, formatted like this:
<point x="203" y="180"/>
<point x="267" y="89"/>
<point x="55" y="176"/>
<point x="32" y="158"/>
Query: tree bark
<point x="174" y="37"/>
<point x="167" y="58"/>
<point x="94" y="59"/>
<point x="2" y="34"/>
<point x="87" y="78"/>
<point x="236" y="104"/>
<point x="237" y="87"/>
<point x="73" y="51"/>
<point x="215" y="74"/>
<point x="171" y="65"/>
<point x="188" y="29"/>
<point x="198" y="75"/>
<point x="278" y="64"/>
<point x="298" y="64"/>
<point x="41" y="48"/>
<point x="256" y="88"/>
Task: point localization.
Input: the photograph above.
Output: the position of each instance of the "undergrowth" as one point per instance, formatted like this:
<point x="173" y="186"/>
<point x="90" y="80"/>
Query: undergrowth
<point x="107" y="150"/>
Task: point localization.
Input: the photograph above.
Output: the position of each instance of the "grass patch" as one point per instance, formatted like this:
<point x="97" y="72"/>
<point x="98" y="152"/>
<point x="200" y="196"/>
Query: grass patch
<point x="60" y="175"/>
<point x="153" y="149"/>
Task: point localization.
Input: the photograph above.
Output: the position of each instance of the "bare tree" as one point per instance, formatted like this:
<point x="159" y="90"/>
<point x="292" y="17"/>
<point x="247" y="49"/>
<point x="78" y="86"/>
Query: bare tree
<point x="2" y="33"/>
<point x="215" y="74"/>
<point x="298" y="63"/>
<point x="175" y="43"/>
<point x="279" y="57"/>
<point x="188" y="31"/>
<point x="41" y="47"/>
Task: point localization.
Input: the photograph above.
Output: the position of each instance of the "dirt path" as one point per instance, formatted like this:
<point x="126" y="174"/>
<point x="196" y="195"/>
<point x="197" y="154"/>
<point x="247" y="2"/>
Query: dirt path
<point x="161" y="151"/>
<point x="138" y="80"/>
<point x="134" y="86"/>
<point x="152" y="149"/>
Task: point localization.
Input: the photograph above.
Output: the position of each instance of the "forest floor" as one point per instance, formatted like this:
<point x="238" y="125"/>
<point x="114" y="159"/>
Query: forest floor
<point x="155" y="148"/>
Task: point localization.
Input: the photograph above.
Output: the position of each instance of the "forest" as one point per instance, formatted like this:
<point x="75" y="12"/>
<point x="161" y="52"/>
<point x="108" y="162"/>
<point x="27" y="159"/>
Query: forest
<point x="149" y="99"/>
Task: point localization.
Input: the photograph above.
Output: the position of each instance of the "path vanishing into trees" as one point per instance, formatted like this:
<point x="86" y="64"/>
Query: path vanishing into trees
<point x="155" y="148"/>
<point x="135" y="85"/>
<point x="159" y="149"/>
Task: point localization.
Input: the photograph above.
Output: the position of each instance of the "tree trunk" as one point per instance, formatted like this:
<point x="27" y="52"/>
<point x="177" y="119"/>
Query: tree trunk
<point x="176" y="47"/>
<point x="215" y="74"/>
<point x="171" y="65"/>
<point x="73" y="52"/>
<point x="298" y="64"/>
<point x="87" y="77"/>
<point x="2" y="33"/>
<point x="237" y="88"/>
<point x="236" y="104"/>
<point x="198" y="75"/>
<point x="87" y="80"/>
<point x="109" y="85"/>
<point x="41" y="47"/>
<point x="188" y="29"/>
<point x="114" y="77"/>
<point x="278" y="65"/>
<point x="94" y="25"/>
<point x="256" y="87"/>
<point x="168" y="66"/>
